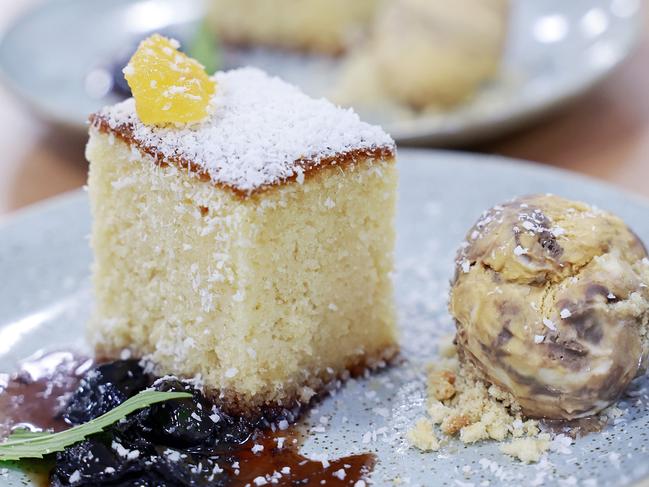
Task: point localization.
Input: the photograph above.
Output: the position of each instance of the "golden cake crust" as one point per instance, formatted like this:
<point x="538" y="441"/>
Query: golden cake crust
<point x="317" y="384"/>
<point x="260" y="132"/>
<point x="315" y="387"/>
<point x="309" y="167"/>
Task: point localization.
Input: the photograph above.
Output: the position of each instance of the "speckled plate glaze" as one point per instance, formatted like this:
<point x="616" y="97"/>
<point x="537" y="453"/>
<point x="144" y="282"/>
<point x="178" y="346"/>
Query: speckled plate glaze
<point x="45" y="299"/>
<point x="556" y="50"/>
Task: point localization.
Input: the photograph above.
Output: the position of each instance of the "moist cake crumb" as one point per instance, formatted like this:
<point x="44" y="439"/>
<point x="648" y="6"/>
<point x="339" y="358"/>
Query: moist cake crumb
<point x="422" y="436"/>
<point x="268" y="297"/>
<point x="464" y="406"/>
<point x="527" y="450"/>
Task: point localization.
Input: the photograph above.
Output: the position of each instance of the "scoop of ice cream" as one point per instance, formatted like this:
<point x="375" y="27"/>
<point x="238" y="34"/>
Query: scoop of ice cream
<point x="551" y="303"/>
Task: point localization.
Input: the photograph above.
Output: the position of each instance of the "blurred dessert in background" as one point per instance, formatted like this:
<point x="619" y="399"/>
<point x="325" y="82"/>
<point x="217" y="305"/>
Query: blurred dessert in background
<point x="426" y="53"/>
<point x="413" y="54"/>
<point x="324" y="26"/>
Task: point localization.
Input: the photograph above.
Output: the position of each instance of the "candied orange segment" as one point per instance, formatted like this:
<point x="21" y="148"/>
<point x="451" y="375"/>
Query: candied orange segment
<point x="168" y="86"/>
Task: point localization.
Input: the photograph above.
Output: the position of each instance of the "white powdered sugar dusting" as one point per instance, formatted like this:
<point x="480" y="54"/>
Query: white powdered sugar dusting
<point x="258" y="129"/>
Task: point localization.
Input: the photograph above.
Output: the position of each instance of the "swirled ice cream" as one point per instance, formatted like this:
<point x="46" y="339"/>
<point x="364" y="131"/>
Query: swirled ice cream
<point x="551" y="303"/>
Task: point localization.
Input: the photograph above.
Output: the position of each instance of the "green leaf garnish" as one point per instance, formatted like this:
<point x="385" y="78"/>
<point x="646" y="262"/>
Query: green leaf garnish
<point x="22" y="433"/>
<point x="204" y="47"/>
<point x="23" y="443"/>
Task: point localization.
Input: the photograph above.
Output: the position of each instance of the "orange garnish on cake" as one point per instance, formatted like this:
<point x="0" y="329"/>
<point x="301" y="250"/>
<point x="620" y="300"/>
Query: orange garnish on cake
<point x="169" y="87"/>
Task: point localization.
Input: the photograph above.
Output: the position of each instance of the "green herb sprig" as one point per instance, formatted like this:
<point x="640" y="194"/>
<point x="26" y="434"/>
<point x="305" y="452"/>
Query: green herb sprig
<point x="23" y="443"/>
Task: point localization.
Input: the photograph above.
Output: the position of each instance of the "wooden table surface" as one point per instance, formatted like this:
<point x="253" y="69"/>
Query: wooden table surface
<point x="604" y="134"/>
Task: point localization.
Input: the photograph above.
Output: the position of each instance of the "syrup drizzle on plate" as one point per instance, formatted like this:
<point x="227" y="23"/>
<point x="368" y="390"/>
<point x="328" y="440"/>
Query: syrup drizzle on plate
<point x="37" y="394"/>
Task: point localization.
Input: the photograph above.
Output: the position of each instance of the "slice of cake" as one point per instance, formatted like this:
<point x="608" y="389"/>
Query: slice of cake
<point x="326" y="26"/>
<point x="252" y="249"/>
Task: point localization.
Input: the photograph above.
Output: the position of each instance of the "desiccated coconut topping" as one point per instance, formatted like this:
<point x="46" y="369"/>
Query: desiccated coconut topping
<point x="259" y="131"/>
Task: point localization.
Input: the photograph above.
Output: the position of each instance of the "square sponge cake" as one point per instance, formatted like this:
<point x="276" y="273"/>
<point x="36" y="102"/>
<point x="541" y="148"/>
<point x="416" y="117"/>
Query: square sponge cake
<point x="253" y="249"/>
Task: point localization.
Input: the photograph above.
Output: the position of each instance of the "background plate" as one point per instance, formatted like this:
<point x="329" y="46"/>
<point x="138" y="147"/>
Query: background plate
<point x="45" y="299"/>
<point x="556" y="50"/>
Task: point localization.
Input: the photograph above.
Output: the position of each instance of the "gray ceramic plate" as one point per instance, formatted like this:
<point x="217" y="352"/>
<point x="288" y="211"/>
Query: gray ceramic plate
<point x="45" y="299"/>
<point x="58" y="59"/>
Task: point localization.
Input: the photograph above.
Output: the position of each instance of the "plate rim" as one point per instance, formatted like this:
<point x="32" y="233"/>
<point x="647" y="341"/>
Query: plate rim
<point x="463" y="156"/>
